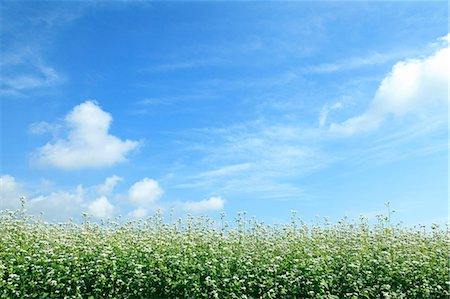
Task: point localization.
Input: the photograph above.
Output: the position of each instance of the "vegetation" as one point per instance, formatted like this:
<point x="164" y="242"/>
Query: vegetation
<point x="198" y="258"/>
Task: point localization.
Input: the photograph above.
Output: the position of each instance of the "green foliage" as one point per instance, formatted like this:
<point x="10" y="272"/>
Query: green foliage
<point x="200" y="259"/>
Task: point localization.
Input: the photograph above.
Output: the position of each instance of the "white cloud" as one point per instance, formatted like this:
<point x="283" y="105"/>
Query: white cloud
<point x="214" y="203"/>
<point x="257" y="158"/>
<point x="42" y="76"/>
<point x="414" y="87"/>
<point x="145" y="192"/>
<point x="62" y="204"/>
<point x="10" y="191"/>
<point x="25" y="69"/>
<point x="176" y="66"/>
<point x="349" y="64"/>
<point x="25" y="61"/>
<point x="88" y="144"/>
<point x="108" y="186"/>
<point x="360" y="123"/>
<point x="44" y="127"/>
<point x="138" y="213"/>
<point x="325" y="110"/>
<point x="59" y="205"/>
<point x="101" y="207"/>
<point x="227" y="170"/>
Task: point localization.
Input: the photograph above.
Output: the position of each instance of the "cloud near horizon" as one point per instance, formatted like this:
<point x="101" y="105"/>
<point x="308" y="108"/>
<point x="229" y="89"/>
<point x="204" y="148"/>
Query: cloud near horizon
<point x="413" y="87"/>
<point x="101" y="207"/>
<point x="214" y="203"/>
<point x="108" y="186"/>
<point x="88" y="143"/>
<point x="145" y="192"/>
<point x="10" y="191"/>
<point x="59" y="204"/>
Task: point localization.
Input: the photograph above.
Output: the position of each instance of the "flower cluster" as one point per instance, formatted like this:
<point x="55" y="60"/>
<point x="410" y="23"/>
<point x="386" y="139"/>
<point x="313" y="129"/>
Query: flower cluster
<point x="198" y="258"/>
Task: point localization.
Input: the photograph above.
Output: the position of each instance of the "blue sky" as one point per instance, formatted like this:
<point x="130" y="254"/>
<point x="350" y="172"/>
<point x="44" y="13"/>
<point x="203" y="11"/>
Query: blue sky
<point x="326" y="108"/>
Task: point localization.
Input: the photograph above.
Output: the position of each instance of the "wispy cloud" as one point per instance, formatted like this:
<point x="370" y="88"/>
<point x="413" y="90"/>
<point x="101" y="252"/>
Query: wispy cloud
<point x="40" y="76"/>
<point x="323" y="116"/>
<point x="225" y="171"/>
<point x="44" y="127"/>
<point x="255" y="158"/>
<point x="187" y="64"/>
<point x="414" y="140"/>
<point x="25" y="65"/>
<point x="268" y="157"/>
<point x="26" y="70"/>
<point x="351" y="63"/>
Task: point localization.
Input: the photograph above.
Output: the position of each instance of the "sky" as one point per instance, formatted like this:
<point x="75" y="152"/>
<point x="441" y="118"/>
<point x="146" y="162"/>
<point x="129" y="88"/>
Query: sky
<point x="331" y="109"/>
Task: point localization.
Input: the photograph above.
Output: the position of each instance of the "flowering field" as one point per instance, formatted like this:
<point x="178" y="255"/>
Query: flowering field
<point x="198" y="258"/>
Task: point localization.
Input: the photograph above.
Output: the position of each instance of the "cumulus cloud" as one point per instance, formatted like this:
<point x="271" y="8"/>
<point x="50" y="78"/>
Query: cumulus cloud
<point x="413" y="87"/>
<point x="108" y="186"/>
<point x="59" y="205"/>
<point x="145" y="192"/>
<point x="88" y="144"/>
<point x="214" y="203"/>
<point x="101" y="207"/>
<point x="138" y="213"/>
<point x="10" y="191"/>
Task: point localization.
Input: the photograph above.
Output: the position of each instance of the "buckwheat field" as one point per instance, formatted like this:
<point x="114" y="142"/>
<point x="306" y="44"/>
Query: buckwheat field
<point x="199" y="258"/>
